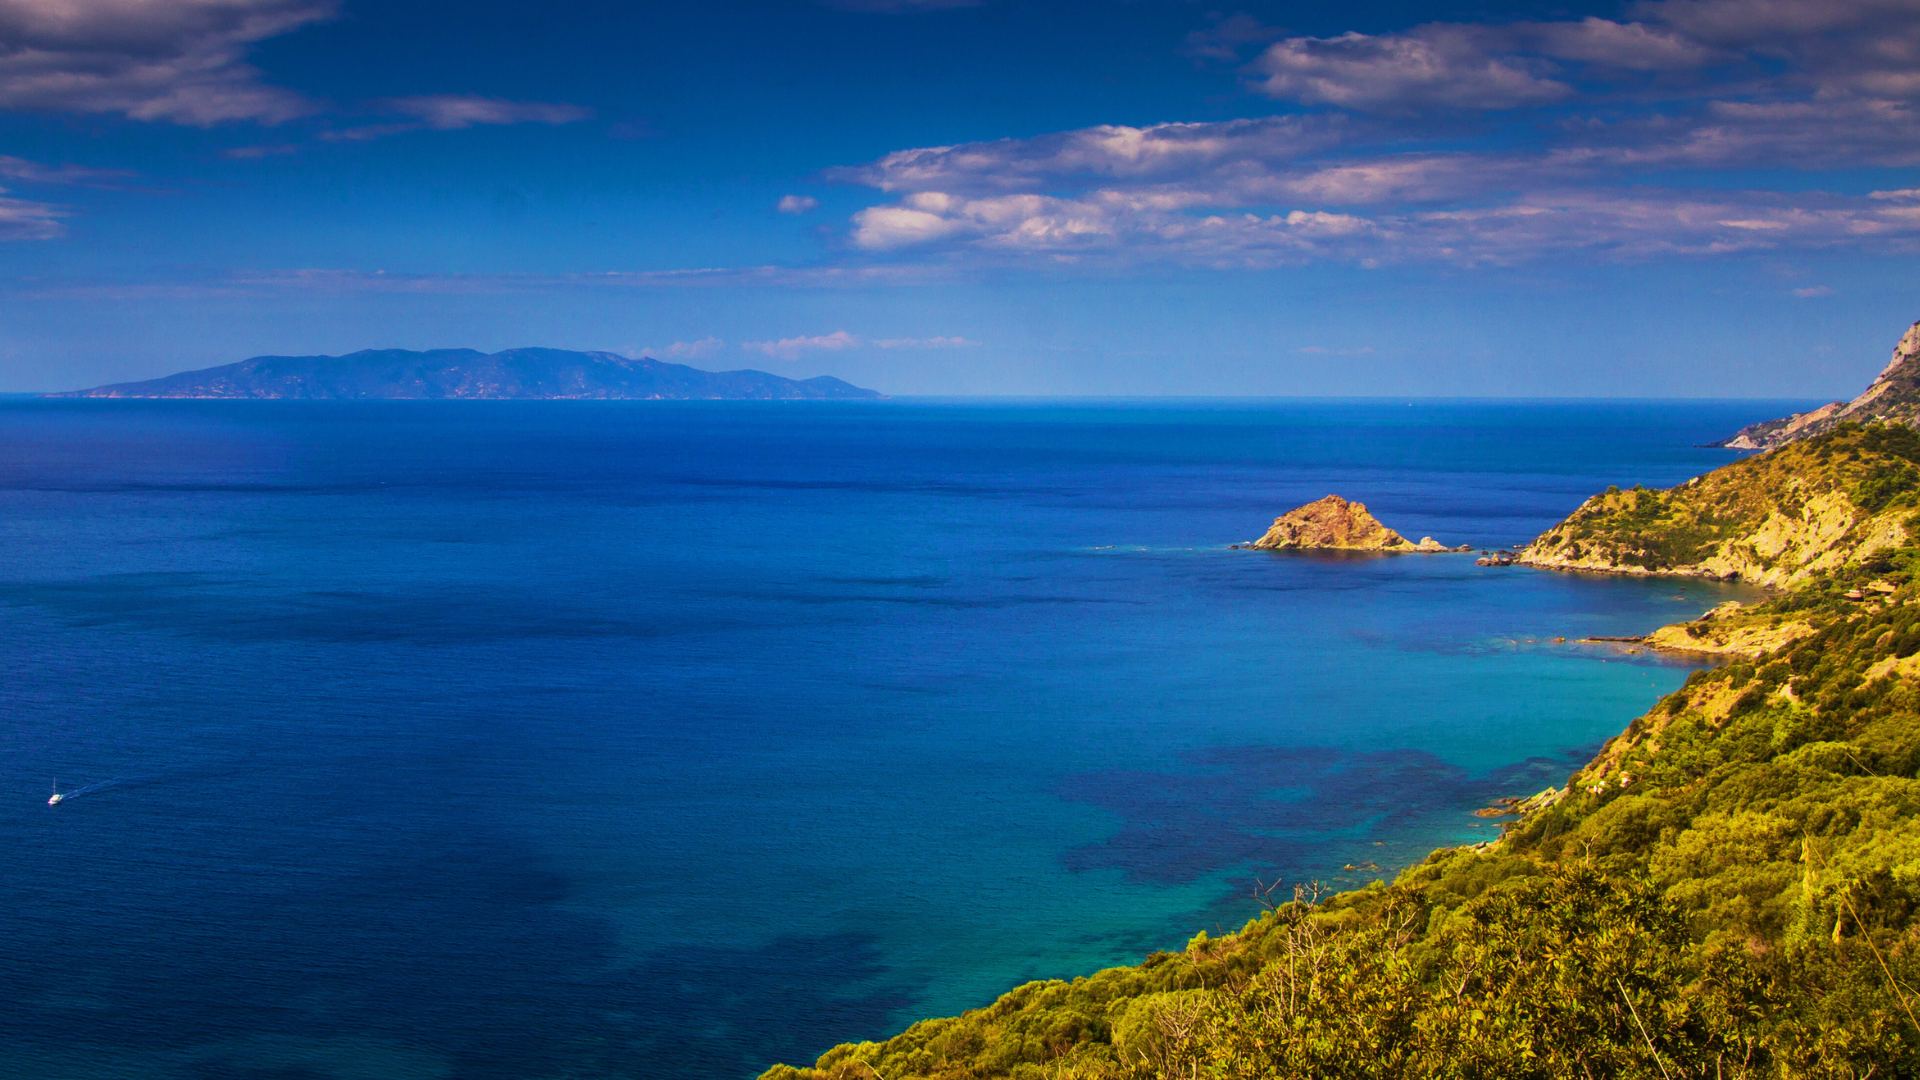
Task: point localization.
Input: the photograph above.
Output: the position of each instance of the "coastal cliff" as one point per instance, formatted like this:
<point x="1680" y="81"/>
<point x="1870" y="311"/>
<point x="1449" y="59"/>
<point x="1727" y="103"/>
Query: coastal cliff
<point x="1730" y="888"/>
<point x="1893" y="398"/>
<point x="1774" y="519"/>
<point x="1335" y="524"/>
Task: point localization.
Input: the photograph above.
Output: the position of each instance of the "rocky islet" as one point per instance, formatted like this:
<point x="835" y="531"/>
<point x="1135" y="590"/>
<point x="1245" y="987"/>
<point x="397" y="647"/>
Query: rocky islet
<point x="1336" y="524"/>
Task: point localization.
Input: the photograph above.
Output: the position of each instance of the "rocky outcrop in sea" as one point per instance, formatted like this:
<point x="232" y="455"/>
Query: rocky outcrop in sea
<point x="1335" y="524"/>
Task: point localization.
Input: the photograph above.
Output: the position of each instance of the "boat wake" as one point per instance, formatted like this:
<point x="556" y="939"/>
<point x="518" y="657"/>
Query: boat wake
<point x="63" y="796"/>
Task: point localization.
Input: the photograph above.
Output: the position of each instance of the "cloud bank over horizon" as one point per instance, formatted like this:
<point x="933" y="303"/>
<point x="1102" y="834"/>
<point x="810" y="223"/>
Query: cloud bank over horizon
<point x="1464" y="144"/>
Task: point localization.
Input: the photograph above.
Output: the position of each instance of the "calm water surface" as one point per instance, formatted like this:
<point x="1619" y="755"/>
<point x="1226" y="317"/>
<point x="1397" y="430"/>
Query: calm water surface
<point x="519" y="740"/>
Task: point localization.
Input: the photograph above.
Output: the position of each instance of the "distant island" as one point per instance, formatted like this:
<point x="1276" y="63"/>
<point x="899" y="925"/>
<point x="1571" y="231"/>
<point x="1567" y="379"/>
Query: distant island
<point x="515" y="374"/>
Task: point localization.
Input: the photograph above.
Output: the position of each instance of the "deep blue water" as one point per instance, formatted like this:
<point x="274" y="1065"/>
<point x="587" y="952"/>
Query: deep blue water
<point x="515" y="740"/>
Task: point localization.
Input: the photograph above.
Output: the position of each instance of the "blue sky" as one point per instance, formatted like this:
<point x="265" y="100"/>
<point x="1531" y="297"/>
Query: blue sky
<point x="1666" y="198"/>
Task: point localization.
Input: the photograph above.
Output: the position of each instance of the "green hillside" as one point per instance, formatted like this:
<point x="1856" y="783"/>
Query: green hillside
<point x="1728" y="890"/>
<point x="1771" y="519"/>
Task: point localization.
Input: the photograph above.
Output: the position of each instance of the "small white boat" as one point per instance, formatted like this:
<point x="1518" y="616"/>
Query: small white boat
<point x="56" y="797"/>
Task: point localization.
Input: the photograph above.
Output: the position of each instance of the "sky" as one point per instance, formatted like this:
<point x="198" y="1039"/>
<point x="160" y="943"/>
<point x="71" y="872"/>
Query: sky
<point x="1667" y="198"/>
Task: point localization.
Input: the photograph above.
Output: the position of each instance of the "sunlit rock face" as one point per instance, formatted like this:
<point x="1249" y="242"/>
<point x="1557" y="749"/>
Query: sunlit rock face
<point x="1894" y="398"/>
<point x="1336" y="524"/>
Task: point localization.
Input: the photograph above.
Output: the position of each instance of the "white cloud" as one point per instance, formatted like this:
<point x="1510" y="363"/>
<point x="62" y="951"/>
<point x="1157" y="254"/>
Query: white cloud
<point x="796" y="204"/>
<point x="24" y="220"/>
<point x="882" y="228"/>
<point x="184" y="61"/>
<point x="1623" y="46"/>
<point x="176" y="60"/>
<point x="792" y="348"/>
<point x="1610" y="223"/>
<point x="1813" y="291"/>
<point x="1604" y="109"/>
<point x="685" y="350"/>
<point x="1159" y="152"/>
<point x="32" y="172"/>
<point x="1688" y="48"/>
<point x="1448" y="67"/>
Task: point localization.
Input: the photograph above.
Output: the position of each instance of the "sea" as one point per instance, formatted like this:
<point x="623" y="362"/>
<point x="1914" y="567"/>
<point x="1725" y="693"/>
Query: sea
<point x="519" y="740"/>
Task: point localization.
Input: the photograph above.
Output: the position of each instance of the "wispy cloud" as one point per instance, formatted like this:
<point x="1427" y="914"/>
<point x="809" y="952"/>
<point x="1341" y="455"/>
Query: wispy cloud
<point x="684" y="350"/>
<point x="1439" y="67"/>
<point x="1464" y="143"/>
<point x="32" y="172"/>
<point x="451" y="112"/>
<point x="794" y="347"/>
<point x="1108" y="153"/>
<point x="21" y="219"/>
<point x="1629" y="224"/>
<point x="456" y="112"/>
<point x="184" y="61"/>
<point x="796" y="204"/>
<point x="174" y="60"/>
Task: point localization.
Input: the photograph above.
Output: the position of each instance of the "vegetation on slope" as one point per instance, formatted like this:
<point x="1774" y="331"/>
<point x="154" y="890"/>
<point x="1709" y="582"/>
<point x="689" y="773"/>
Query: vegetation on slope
<point x="1727" y="890"/>
<point x="1771" y="519"/>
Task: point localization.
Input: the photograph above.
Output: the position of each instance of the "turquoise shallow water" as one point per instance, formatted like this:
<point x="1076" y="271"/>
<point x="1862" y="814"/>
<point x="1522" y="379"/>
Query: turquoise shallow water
<point x="672" y="739"/>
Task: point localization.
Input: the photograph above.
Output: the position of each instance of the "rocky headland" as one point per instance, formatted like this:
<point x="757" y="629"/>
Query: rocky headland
<point x="1335" y="524"/>
<point x="1830" y="496"/>
<point x="515" y="374"/>
<point x="1807" y="508"/>
<point x="1893" y="398"/>
<point x="1729" y="888"/>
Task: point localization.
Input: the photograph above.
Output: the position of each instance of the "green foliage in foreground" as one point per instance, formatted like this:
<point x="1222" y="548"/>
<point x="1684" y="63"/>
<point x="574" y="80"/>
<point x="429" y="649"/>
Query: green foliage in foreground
<point x="1728" y="890"/>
